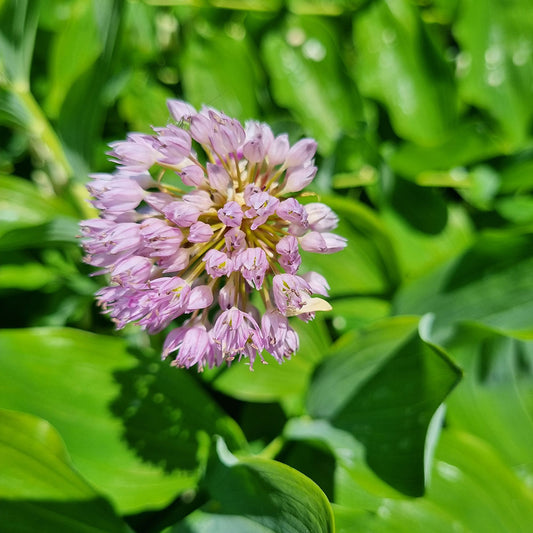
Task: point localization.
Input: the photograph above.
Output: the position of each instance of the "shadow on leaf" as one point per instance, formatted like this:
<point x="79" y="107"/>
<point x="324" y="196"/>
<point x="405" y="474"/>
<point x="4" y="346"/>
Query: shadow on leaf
<point x="165" y="411"/>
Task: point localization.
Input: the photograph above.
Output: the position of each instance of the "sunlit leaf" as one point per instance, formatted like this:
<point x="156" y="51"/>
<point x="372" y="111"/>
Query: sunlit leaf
<point x="491" y="283"/>
<point x="472" y="484"/>
<point x="18" y="24"/>
<point x="383" y="386"/>
<point x="23" y="205"/>
<point x="39" y="488"/>
<point x="369" y="256"/>
<point x="131" y="105"/>
<point x="75" y="48"/>
<point x="399" y="65"/>
<point x="419" y="252"/>
<point x="472" y="141"/>
<point x="254" y="495"/>
<point x="495" y="69"/>
<point x="303" y="62"/>
<point x="82" y="113"/>
<point x="494" y="401"/>
<point x="470" y="490"/>
<point x="219" y="70"/>
<point x="100" y="400"/>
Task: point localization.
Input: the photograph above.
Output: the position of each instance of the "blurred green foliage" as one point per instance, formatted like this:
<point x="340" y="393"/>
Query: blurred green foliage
<point x="409" y="406"/>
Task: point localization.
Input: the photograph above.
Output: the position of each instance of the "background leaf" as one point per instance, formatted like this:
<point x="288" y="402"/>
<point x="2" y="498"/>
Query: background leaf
<point x="495" y="72"/>
<point x="94" y="375"/>
<point x="259" y="495"/>
<point x="367" y="389"/>
<point x="490" y="283"/>
<point x="39" y="489"/>
<point x="400" y="66"/>
<point x="303" y="63"/>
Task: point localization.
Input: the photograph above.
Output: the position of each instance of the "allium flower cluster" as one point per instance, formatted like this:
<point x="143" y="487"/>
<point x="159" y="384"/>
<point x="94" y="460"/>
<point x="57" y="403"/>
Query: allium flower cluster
<point x="201" y="220"/>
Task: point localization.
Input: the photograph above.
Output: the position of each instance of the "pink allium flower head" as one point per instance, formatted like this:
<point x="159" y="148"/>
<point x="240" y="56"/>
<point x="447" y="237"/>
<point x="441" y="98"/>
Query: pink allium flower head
<point x="197" y="251"/>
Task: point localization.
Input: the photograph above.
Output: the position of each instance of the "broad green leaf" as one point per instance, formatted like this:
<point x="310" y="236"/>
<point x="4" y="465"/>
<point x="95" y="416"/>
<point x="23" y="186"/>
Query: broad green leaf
<point x="431" y="214"/>
<point x="395" y="517"/>
<point x="517" y="174"/>
<point x="383" y="386"/>
<point x="323" y="7"/>
<point x="274" y="382"/>
<point x="365" y="488"/>
<point x="399" y="65"/>
<point x="419" y="252"/>
<point x="495" y="69"/>
<point x="491" y="283"/>
<point x="23" y="205"/>
<point x="307" y="78"/>
<point x="220" y="70"/>
<point x="75" y="47"/>
<point x="13" y="113"/>
<point x="369" y="256"/>
<point x="58" y="231"/>
<point x="355" y="312"/>
<point x="18" y="24"/>
<point x="28" y="276"/>
<point x="39" y="488"/>
<point x="250" y="5"/>
<point x="471" y="142"/>
<point x="254" y="495"/>
<point x="132" y="108"/>
<point x="86" y="102"/>
<point x="517" y="209"/>
<point x="470" y="490"/>
<point x="494" y="401"/>
<point x="131" y="428"/>
<point x="472" y="484"/>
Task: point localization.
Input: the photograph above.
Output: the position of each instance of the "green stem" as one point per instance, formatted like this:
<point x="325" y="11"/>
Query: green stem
<point x="44" y="138"/>
<point x="272" y="450"/>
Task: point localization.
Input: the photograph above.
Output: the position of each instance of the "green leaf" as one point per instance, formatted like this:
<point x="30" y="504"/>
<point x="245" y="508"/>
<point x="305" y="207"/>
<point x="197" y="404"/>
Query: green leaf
<point x="484" y="184"/>
<point x="369" y="255"/>
<point x="28" y="276"/>
<point x="399" y="65"/>
<point x="491" y="283"/>
<point x="353" y="313"/>
<point x="517" y="174"/>
<point x="23" y="205"/>
<point x="516" y="209"/>
<point x="307" y="78"/>
<point x="418" y="252"/>
<point x="323" y="7"/>
<point x="431" y="214"/>
<point x="13" y="113"/>
<point x="132" y="429"/>
<point x="132" y="108"/>
<point x="471" y="142"/>
<point x="495" y="69"/>
<point x="472" y="484"/>
<point x="383" y="386"/>
<point x="18" y="24"/>
<point x="470" y="490"/>
<point x="395" y="516"/>
<point x="59" y="231"/>
<point x="220" y="70"/>
<point x="254" y="495"/>
<point x="39" y="488"/>
<point x="494" y="401"/>
<point x="76" y="46"/>
<point x="86" y="101"/>
<point x="365" y="488"/>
